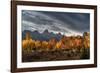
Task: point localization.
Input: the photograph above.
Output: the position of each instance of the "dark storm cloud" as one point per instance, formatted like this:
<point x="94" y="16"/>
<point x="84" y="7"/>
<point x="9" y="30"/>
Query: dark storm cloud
<point x="76" y="21"/>
<point x="55" y="21"/>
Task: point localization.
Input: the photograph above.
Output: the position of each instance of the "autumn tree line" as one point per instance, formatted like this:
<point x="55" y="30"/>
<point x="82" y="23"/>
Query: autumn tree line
<point x="65" y="43"/>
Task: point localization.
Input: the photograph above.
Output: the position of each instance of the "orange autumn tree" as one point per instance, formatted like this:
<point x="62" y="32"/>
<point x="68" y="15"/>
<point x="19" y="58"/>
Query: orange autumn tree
<point x="44" y="45"/>
<point x="66" y="42"/>
<point x="51" y="43"/>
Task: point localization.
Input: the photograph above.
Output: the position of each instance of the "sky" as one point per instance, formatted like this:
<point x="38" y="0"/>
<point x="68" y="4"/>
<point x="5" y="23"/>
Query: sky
<point x="64" y="22"/>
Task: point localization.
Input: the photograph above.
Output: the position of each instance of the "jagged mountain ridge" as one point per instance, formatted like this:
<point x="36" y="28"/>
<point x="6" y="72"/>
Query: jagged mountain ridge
<point x="44" y="36"/>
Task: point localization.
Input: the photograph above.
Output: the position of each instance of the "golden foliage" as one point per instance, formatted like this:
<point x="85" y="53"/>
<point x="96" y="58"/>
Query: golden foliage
<point x="71" y="42"/>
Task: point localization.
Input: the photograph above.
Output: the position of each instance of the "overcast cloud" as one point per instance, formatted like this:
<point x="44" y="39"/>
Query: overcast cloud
<point x="67" y="23"/>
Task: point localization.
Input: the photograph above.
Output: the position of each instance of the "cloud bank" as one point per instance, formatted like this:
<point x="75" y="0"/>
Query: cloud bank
<point x="63" y="22"/>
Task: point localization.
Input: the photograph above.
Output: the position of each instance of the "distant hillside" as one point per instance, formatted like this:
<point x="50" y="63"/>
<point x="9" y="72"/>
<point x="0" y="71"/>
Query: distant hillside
<point x="45" y="36"/>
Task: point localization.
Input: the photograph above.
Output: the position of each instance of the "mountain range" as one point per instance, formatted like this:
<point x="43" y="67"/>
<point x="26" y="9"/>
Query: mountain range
<point x="44" y="36"/>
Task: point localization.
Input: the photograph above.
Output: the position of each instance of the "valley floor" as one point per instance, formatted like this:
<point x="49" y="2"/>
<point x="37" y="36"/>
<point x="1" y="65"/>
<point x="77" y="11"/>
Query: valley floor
<point x="55" y="55"/>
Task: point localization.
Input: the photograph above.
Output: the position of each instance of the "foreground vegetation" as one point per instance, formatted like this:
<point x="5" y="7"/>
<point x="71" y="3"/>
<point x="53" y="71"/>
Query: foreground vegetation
<point x="68" y="48"/>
